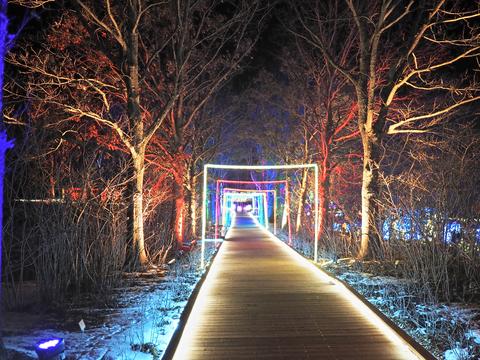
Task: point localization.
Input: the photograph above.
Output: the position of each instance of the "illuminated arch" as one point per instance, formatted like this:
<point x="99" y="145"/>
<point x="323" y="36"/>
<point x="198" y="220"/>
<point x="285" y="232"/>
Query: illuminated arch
<point x="206" y="167"/>
<point x="251" y="182"/>
<point x="274" y="207"/>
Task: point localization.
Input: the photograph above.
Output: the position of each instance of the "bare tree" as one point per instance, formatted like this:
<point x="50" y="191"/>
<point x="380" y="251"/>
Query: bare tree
<point x="403" y="48"/>
<point x="162" y="62"/>
<point x="204" y="139"/>
<point x="124" y="33"/>
<point x="319" y="100"/>
<point x="207" y="53"/>
<point x="328" y="113"/>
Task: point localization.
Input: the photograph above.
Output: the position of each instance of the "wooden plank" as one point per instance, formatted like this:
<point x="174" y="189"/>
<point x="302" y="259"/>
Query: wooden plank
<point x="259" y="303"/>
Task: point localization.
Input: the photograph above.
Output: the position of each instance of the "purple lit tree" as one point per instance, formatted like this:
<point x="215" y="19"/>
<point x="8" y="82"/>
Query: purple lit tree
<point x="5" y="144"/>
<point x="6" y="42"/>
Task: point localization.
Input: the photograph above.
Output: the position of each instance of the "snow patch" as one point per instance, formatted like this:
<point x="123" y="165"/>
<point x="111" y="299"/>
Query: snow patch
<point x="140" y="329"/>
<point x="456" y="354"/>
<point x="474" y="335"/>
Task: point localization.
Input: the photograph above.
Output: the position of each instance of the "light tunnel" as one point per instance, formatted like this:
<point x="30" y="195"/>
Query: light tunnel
<point x="232" y="201"/>
<point x="286" y="218"/>
<point x="223" y="201"/>
<point x="271" y="205"/>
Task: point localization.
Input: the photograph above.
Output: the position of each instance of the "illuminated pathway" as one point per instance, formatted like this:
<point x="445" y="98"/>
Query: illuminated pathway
<point x="260" y="300"/>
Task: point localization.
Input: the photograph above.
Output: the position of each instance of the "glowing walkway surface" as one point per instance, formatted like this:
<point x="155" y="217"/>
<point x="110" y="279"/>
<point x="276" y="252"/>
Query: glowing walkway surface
<point x="261" y="301"/>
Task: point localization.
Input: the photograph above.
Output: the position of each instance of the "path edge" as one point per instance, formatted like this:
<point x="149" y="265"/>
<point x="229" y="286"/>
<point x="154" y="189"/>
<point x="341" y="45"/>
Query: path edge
<point x="414" y="344"/>
<point x="177" y="334"/>
<point x="418" y="349"/>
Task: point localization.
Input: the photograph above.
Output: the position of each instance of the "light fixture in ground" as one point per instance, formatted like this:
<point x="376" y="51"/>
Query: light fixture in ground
<point x="50" y="349"/>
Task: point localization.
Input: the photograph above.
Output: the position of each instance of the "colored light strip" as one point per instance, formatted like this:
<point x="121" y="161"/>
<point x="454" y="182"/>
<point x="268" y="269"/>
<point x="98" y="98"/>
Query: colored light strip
<point x="251" y="182"/>
<point x="273" y="192"/>
<point x="259" y="167"/>
<point x="262" y="195"/>
<point x="256" y="167"/>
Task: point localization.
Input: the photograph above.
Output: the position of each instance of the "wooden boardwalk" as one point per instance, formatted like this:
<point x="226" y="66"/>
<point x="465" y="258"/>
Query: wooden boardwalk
<point x="261" y="301"/>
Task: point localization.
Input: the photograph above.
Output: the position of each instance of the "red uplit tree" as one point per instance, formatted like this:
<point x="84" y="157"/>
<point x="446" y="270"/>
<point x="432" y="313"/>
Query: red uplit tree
<point x="320" y="100"/>
<point x="207" y="54"/>
<point x="154" y="71"/>
<point x="202" y="138"/>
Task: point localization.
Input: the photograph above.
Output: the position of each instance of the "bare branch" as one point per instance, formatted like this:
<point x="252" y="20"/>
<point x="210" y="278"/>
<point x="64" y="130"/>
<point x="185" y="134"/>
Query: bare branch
<point x="32" y="4"/>
<point x="393" y="129"/>
<point x="91" y="15"/>
<point x="468" y="53"/>
<point x="123" y="136"/>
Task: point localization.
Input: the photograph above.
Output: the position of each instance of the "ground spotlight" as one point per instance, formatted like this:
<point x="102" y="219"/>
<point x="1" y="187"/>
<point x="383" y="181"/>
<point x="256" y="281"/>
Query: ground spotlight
<point x="50" y="349"/>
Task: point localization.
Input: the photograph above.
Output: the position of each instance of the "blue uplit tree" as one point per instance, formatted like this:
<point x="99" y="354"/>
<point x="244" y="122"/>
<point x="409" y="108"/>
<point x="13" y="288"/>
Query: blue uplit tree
<point x="6" y="42"/>
<point x="5" y="144"/>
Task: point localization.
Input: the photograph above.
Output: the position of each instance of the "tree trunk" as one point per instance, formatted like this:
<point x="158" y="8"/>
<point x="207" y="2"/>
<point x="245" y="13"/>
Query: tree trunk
<point x="138" y="238"/>
<point x="179" y="212"/>
<point x="51" y="179"/>
<point x="323" y="200"/>
<point x="135" y="218"/>
<point x="301" y="200"/>
<point x="370" y="245"/>
<point x="193" y="205"/>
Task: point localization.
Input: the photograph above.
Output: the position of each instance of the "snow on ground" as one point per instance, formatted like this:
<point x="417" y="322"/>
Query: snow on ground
<point x="449" y="331"/>
<point x="474" y="335"/>
<point x="139" y="327"/>
<point x="457" y="354"/>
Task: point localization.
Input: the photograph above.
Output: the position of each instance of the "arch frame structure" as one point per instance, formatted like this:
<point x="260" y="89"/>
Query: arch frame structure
<point x="268" y="191"/>
<point x="206" y="167"/>
<point x="259" y="182"/>
<point x="254" y="194"/>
